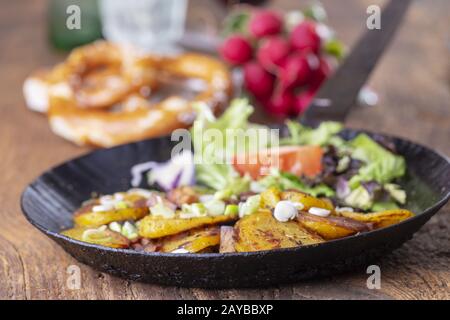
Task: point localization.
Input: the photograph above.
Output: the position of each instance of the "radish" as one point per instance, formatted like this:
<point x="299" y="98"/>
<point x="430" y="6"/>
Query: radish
<point x="265" y="23"/>
<point x="236" y="50"/>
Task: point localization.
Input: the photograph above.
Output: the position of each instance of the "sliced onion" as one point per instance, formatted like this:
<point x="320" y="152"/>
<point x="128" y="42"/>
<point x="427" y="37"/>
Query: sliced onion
<point x="342" y="188"/>
<point x="178" y="171"/>
<point x="319" y="212"/>
<point x="168" y="175"/>
<point x="138" y="170"/>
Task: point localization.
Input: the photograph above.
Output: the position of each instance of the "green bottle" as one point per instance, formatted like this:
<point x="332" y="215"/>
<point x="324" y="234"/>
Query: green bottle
<point x="72" y="23"/>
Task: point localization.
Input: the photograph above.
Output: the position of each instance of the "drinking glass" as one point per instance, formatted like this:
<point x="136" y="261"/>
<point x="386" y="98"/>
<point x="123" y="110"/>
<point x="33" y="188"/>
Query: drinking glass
<point x="153" y="25"/>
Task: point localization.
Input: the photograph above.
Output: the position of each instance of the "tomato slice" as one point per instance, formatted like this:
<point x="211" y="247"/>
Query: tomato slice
<point x="298" y="160"/>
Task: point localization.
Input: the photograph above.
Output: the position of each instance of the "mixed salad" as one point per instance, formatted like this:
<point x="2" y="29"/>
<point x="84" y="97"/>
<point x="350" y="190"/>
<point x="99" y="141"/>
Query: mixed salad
<point x="226" y="197"/>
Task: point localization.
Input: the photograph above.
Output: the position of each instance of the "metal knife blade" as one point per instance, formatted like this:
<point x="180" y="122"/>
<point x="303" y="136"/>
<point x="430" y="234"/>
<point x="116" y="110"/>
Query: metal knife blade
<point x="338" y="95"/>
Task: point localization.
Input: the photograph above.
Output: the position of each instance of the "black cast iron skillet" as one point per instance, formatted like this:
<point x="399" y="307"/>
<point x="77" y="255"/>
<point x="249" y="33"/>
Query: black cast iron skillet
<point x="49" y="201"/>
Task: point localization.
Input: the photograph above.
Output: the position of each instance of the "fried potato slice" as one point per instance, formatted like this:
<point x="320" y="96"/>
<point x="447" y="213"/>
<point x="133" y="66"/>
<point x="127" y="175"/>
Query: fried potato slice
<point x="157" y="227"/>
<point x="270" y="197"/>
<point x="380" y="219"/>
<point x="227" y="239"/>
<point x="261" y="231"/>
<point x="104" y="237"/>
<point x="307" y="200"/>
<point x="193" y="241"/>
<point x="94" y="219"/>
<point x="331" y="227"/>
<point x="135" y="208"/>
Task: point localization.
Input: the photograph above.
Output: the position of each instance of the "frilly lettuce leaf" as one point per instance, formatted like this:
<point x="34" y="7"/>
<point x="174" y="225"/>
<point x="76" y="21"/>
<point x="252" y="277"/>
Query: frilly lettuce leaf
<point x="359" y="198"/>
<point x="216" y="138"/>
<point x="301" y="135"/>
<point x="381" y="165"/>
<point x="396" y="192"/>
<point x="285" y="180"/>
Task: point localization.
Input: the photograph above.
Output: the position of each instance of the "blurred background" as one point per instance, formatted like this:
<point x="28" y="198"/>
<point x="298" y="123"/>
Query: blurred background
<point x="409" y="84"/>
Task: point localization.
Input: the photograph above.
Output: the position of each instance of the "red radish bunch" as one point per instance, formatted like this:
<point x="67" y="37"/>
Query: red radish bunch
<point x="282" y="70"/>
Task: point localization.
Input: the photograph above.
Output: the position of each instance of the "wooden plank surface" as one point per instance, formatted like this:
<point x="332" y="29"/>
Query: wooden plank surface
<point x="413" y="82"/>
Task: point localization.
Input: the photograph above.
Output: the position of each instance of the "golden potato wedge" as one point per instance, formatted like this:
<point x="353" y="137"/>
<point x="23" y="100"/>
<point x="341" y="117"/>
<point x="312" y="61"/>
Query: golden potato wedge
<point x="101" y="236"/>
<point x="227" y="239"/>
<point x="270" y="197"/>
<point x="157" y="227"/>
<point x="331" y="227"/>
<point x="135" y="207"/>
<point x="380" y="219"/>
<point x="196" y="240"/>
<point x="307" y="200"/>
<point x="95" y="219"/>
<point x="261" y="231"/>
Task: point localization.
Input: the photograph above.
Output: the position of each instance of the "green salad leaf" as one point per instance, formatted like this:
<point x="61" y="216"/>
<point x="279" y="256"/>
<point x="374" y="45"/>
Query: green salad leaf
<point x="396" y="192"/>
<point x="322" y="135"/>
<point x="285" y="180"/>
<point x="382" y="206"/>
<point x="359" y="198"/>
<point x="380" y="165"/>
<point x="215" y="139"/>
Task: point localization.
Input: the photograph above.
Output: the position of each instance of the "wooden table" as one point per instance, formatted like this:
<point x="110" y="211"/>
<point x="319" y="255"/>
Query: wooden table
<point x="413" y="84"/>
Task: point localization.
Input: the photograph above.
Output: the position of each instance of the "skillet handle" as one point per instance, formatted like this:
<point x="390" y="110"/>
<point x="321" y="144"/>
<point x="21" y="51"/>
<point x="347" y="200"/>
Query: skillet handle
<point x="338" y="95"/>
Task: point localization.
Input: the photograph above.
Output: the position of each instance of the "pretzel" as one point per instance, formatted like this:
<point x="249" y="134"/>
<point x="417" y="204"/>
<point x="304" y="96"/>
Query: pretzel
<point x="105" y="101"/>
<point x="93" y="76"/>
